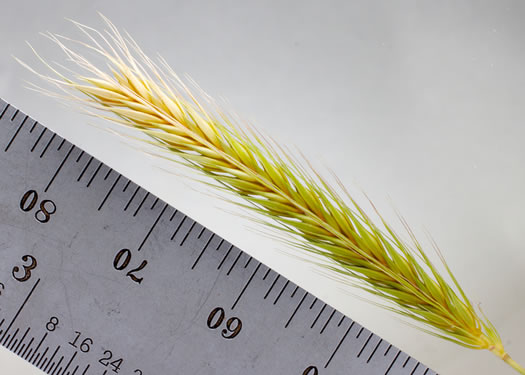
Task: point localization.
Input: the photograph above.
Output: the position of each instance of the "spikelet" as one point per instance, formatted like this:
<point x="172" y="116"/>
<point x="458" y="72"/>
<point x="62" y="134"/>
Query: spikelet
<point x="139" y="94"/>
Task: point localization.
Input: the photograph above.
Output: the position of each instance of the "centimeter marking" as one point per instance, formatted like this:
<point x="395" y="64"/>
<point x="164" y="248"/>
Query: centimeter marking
<point x="372" y="355"/>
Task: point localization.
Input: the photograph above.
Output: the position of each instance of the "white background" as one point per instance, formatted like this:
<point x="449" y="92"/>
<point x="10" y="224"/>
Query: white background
<point x="422" y="102"/>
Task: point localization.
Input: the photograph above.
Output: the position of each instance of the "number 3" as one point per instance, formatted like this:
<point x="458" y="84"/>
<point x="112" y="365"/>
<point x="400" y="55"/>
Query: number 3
<point x="27" y="268"/>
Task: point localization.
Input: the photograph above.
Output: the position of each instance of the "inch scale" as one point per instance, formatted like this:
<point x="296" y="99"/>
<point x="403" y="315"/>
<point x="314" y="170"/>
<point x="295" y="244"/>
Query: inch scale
<point x="100" y="277"/>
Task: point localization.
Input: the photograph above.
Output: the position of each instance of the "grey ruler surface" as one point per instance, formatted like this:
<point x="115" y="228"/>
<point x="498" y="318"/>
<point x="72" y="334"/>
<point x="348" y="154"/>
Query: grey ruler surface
<point x="100" y="277"/>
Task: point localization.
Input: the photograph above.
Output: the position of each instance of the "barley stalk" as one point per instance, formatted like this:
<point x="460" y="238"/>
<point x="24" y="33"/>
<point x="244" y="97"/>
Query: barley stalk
<point x="298" y="201"/>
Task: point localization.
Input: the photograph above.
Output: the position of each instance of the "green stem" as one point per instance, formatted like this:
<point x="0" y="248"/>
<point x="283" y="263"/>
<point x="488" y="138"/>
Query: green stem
<point x="515" y="365"/>
<point x="507" y="359"/>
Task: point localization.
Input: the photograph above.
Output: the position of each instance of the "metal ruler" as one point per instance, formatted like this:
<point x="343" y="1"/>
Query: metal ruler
<point x="100" y="277"/>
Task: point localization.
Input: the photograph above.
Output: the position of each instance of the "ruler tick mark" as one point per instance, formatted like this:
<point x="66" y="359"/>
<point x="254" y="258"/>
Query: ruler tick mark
<point x="406" y="361"/>
<point x="318" y="315"/>
<point x="153" y="226"/>
<point x="33" y="127"/>
<point x="178" y="227"/>
<point x="14" y="115"/>
<point x="85" y="168"/>
<point x="20" y="342"/>
<point x="154" y="204"/>
<point x="414" y="369"/>
<point x="338" y="345"/>
<point x="55" y="366"/>
<point x="313" y="303"/>
<point x="225" y="256"/>
<point x="374" y="351"/>
<point x="58" y="364"/>
<point x="341" y="321"/>
<point x="126" y="186"/>
<point x="38" y="347"/>
<point x="392" y="364"/>
<point x="173" y="214"/>
<point x="26" y="356"/>
<point x="234" y="263"/>
<point x="41" y="358"/>
<point x="38" y="139"/>
<point x="271" y="286"/>
<point x="20" y="308"/>
<point x="296" y="309"/>
<point x="141" y="203"/>
<point x="202" y="252"/>
<point x="328" y="321"/>
<point x="387" y="349"/>
<point x="16" y="133"/>
<point x="12" y="338"/>
<point x="85" y="371"/>
<point x="61" y="144"/>
<point x="187" y="233"/>
<point x="108" y="173"/>
<point x="359" y="333"/>
<point x="47" y="145"/>
<point x="59" y="168"/>
<point x="201" y="232"/>
<point x="69" y="363"/>
<point x="109" y="192"/>
<point x="294" y="291"/>
<point x="4" y="111"/>
<point x="248" y="262"/>
<point x="132" y="197"/>
<point x="94" y="174"/>
<point x="281" y="292"/>
<point x="80" y="156"/>
<point x="23" y="355"/>
<point x="365" y="344"/>
<point x="267" y="273"/>
<point x="51" y="359"/>
<point x="30" y="351"/>
<point x="246" y="286"/>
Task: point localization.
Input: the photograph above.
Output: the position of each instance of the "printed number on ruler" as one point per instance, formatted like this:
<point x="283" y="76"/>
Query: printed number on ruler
<point x="46" y="207"/>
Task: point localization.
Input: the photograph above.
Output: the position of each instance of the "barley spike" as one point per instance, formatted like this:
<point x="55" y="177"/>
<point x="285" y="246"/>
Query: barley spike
<point x="146" y="95"/>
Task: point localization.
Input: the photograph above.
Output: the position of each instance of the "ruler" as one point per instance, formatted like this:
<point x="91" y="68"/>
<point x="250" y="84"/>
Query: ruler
<point x="100" y="277"/>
